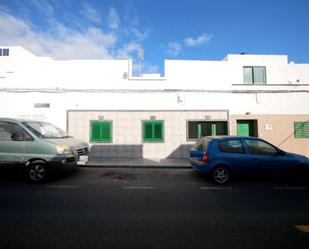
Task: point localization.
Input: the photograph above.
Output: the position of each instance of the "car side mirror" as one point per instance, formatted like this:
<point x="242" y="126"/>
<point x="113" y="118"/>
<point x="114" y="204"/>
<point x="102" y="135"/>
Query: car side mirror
<point x="18" y="136"/>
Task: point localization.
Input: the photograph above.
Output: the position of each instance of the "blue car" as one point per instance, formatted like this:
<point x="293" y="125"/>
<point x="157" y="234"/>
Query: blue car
<point x="223" y="157"/>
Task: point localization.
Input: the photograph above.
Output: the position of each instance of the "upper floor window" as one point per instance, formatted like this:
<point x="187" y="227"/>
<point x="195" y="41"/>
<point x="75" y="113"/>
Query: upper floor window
<point x="4" y="52"/>
<point x="254" y="75"/>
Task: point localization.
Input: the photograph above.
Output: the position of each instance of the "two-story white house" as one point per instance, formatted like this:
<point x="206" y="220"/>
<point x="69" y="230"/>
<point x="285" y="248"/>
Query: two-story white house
<point x="155" y="116"/>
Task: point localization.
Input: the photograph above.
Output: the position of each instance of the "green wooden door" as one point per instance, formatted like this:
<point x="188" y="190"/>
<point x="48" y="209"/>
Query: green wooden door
<point x="244" y="128"/>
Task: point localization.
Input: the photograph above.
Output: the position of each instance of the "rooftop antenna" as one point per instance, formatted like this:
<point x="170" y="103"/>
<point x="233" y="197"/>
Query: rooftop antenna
<point x="140" y="58"/>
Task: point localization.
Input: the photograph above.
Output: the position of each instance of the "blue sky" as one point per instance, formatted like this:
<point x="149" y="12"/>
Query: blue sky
<point x="165" y="29"/>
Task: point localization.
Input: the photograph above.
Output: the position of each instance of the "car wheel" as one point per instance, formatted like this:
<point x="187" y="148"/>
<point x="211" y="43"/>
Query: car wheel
<point x="37" y="172"/>
<point x="221" y="175"/>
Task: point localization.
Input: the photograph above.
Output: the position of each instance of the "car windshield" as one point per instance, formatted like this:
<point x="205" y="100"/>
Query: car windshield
<point x="45" y="130"/>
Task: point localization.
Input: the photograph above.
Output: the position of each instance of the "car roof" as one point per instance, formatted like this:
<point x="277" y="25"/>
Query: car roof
<point x="17" y="120"/>
<point x="226" y="137"/>
<point x="10" y="119"/>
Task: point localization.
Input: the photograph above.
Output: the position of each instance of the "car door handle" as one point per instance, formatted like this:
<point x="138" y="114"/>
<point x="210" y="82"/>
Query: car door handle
<point x="254" y="159"/>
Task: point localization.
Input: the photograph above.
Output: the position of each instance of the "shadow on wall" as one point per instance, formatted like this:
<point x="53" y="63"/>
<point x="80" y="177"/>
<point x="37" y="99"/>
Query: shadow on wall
<point x="182" y="151"/>
<point x="116" y="151"/>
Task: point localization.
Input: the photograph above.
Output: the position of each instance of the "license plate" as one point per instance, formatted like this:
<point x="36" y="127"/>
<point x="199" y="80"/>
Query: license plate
<point x="82" y="160"/>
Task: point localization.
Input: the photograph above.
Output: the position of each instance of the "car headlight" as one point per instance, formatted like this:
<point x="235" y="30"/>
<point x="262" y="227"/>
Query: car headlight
<point x="63" y="149"/>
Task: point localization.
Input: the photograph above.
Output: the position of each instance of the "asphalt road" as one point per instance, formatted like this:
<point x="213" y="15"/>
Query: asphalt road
<point x="151" y="208"/>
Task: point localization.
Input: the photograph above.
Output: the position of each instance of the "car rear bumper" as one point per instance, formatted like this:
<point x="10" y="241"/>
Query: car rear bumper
<point x="200" y="166"/>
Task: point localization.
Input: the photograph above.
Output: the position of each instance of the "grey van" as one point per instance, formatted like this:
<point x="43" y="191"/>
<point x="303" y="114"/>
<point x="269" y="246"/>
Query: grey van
<point x="39" y="147"/>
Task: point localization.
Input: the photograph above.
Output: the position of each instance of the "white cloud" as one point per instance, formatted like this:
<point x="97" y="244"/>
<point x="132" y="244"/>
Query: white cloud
<point x="113" y="19"/>
<point x="202" y="39"/>
<point x="173" y="48"/>
<point x="60" y="42"/>
<point x="126" y="51"/>
<point x="91" y="13"/>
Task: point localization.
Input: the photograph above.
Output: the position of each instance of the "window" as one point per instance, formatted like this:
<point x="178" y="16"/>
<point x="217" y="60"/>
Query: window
<point x="153" y="131"/>
<point x="13" y="132"/>
<point x="101" y="131"/>
<point x="231" y="146"/>
<point x="197" y="129"/>
<point x="301" y="129"/>
<point x="260" y="147"/>
<point x="254" y="75"/>
<point x="4" y="52"/>
<point x="202" y="144"/>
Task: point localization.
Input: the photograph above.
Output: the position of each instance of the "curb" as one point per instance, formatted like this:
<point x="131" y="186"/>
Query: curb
<point x="110" y="163"/>
<point x="136" y="166"/>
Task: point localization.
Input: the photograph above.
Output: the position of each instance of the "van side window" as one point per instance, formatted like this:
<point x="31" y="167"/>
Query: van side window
<point x="10" y="130"/>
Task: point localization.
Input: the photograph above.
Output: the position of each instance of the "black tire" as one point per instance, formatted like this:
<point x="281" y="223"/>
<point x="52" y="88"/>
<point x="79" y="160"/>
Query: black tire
<point x="37" y="172"/>
<point x="221" y="175"/>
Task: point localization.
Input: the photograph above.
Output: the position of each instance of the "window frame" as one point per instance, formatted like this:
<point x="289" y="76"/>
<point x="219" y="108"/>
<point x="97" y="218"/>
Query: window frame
<point x="261" y="153"/>
<point x="212" y="127"/>
<point x="26" y="136"/>
<point x="231" y="140"/>
<point x="253" y="73"/>
<point x="302" y="127"/>
<point x="110" y="140"/>
<point x="153" y="139"/>
<point x="4" y="52"/>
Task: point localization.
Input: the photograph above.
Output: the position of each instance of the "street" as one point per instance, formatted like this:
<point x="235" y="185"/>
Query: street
<point x="151" y="208"/>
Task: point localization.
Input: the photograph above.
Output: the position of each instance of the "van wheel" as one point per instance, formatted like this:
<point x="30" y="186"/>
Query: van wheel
<point x="221" y="175"/>
<point x="37" y="172"/>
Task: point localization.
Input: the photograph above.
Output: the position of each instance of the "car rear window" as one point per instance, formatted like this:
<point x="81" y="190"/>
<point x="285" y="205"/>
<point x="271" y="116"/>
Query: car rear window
<point x="202" y="144"/>
<point x="231" y="146"/>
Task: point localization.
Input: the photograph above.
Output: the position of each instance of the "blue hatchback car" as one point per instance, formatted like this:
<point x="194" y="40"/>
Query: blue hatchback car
<point x="225" y="156"/>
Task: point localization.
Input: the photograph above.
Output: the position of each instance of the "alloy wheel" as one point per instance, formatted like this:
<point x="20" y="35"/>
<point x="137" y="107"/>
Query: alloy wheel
<point x="37" y="172"/>
<point x="221" y="175"/>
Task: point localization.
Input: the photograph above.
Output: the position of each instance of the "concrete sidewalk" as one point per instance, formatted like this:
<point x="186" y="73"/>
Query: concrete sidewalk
<point x="138" y="162"/>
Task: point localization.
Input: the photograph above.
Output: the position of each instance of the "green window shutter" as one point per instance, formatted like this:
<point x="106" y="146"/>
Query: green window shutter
<point x="157" y="131"/>
<point x="101" y="131"/>
<point x="153" y="131"/>
<point x="148" y="134"/>
<point x="301" y="129"/>
<point x="213" y="129"/>
<point x="199" y="130"/>
<point x="106" y="131"/>
<point x="96" y="131"/>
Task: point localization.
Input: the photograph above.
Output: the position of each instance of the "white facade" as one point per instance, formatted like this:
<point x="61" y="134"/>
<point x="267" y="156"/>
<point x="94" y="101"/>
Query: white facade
<point x="28" y="81"/>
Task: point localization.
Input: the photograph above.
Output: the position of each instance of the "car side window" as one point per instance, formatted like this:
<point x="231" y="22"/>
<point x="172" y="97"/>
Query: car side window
<point x="231" y="146"/>
<point x="260" y="147"/>
<point x="13" y="132"/>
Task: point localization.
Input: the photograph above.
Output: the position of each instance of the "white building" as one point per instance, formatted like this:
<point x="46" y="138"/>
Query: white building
<point x="154" y="116"/>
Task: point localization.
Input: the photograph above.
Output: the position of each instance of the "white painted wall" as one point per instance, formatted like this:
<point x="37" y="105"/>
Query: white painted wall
<point x="24" y="70"/>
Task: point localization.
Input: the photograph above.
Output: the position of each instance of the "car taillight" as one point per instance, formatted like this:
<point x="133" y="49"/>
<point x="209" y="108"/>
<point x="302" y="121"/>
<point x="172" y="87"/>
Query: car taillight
<point x="205" y="157"/>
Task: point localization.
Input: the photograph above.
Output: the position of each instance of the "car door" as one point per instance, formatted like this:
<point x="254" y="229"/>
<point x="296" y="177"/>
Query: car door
<point x="265" y="159"/>
<point x="12" y="145"/>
